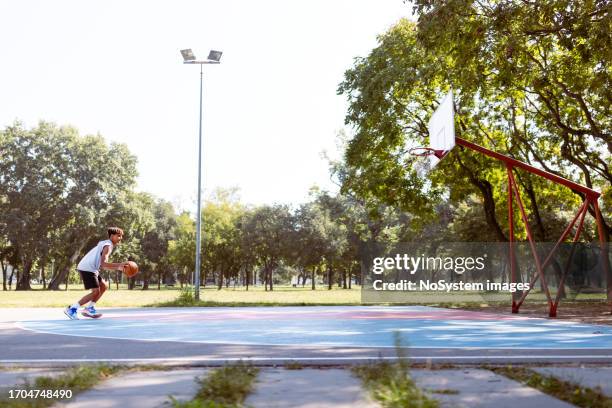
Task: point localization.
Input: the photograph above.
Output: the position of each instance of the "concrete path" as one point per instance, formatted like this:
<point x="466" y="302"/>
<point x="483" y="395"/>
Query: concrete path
<point x="323" y="388"/>
<point x="16" y="377"/>
<point x="482" y="388"/>
<point x="308" y="388"/>
<point x="146" y="389"/>
<point x="591" y="377"/>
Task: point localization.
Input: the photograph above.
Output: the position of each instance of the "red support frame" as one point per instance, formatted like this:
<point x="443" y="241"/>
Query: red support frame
<point x="590" y="198"/>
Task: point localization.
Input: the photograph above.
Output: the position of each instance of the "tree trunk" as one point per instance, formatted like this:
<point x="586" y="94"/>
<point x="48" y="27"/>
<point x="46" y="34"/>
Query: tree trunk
<point x="58" y="275"/>
<point x="540" y="231"/>
<point x="314" y="271"/>
<point x="486" y="189"/>
<point x="558" y="274"/>
<point x="4" y="266"/>
<point x="23" y="283"/>
<point x="42" y="274"/>
<point x="271" y="282"/>
<point x="62" y="276"/>
<point x="11" y="277"/>
<point x="329" y="276"/>
<point x="247" y="277"/>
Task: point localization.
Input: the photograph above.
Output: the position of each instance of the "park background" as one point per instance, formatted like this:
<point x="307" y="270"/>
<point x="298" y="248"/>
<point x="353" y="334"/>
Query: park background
<point x="531" y="81"/>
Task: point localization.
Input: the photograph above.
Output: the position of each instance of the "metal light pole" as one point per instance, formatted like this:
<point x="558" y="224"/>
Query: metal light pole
<point x="214" y="57"/>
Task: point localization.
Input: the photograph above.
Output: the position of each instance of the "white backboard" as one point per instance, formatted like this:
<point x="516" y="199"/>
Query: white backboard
<point x="442" y="125"/>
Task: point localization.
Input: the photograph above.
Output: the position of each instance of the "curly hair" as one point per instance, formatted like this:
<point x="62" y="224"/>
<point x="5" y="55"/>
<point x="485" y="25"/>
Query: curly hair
<point x="114" y="231"/>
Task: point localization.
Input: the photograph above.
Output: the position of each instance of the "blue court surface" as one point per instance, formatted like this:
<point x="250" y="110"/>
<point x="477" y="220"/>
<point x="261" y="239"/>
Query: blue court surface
<point x="350" y="326"/>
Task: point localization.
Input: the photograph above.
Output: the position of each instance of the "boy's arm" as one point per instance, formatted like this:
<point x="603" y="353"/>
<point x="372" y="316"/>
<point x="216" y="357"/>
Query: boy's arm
<point x="110" y="265"/>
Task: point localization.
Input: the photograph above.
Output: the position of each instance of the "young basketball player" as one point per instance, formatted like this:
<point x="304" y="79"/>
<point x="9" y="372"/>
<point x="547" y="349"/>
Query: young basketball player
<point x="89" y="269"/>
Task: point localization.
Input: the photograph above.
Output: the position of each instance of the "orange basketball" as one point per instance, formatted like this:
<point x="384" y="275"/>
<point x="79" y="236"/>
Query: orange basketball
<point x="131" y="269"/>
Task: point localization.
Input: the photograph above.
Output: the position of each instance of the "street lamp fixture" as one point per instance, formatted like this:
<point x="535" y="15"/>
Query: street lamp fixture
<point x="188" y="55"/>
<point x="214" y="57"/>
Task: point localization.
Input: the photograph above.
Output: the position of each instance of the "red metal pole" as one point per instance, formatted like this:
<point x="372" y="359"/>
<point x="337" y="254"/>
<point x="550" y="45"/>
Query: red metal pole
<point x="590" y="195"/>
<point x="515" y="306"/>
<point x="525" y="166"/>
<point x="604" y="252"/>
<point x="531" y="243"/>
<point x="583" y="207"/>
<point x="553" y="310"/>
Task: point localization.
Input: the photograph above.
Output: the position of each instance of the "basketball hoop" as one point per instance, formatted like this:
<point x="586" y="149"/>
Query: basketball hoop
<point x="425" y="160"/>
<point x="422" y="151"/>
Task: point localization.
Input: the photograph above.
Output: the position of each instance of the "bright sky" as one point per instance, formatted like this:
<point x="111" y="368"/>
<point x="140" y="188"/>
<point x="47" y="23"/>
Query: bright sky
<point x="270" y="107"/>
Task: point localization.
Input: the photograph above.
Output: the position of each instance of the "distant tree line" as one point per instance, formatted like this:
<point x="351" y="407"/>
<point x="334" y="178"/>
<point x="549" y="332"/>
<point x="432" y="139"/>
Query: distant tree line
<point x="59" y="191"/>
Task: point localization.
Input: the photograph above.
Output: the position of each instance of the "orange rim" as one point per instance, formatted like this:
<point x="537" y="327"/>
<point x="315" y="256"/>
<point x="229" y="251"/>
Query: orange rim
<point x="422" y="151"/>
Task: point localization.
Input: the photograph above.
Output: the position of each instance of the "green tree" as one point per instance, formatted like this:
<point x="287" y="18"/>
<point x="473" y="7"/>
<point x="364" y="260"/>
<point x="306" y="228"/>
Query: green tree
<point x="270" y="230"/>
<point x="155" y="242"/>
<point x="222" y="236"/>
<point x="101" y="181"/>
<point x="331" y="227"/>
<point x="310" y="241"/>
<point x="393" y="91"/>
<point x="30" y="185"/>
<point x="181" y="250"/>
<point x="56" y="188"/>
<point x="542" y="68"/>
<point x="531" y="80"/>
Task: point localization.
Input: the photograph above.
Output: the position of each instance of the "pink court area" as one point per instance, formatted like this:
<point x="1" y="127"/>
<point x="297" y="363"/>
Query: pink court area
<point x="322" y="312"/>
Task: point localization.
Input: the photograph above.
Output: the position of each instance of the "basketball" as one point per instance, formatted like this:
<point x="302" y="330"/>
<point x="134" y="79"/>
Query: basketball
<point x="131" y="269"/>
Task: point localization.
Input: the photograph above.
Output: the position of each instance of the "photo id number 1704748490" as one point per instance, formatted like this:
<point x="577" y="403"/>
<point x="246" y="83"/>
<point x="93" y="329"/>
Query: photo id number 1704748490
<point x="35" y="394"/>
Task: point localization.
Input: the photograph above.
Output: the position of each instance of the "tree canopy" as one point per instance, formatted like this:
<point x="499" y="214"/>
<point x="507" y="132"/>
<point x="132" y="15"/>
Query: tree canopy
<point x="527" y="85"/>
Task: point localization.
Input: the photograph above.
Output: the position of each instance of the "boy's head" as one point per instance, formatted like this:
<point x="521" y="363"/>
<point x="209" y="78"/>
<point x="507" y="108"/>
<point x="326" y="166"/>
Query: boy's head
<point x="115" y="234"/>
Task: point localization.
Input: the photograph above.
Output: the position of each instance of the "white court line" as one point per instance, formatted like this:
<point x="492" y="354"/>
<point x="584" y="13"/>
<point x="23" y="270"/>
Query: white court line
<point x="330" y="310"/>
<point x="314" y="359"/>
<point x="238" y="343"/>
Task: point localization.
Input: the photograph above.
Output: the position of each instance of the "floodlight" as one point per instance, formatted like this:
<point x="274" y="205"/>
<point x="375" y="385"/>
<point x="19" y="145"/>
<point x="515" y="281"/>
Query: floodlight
<point x="188" y="55"/>
<point x="215" y="55"/>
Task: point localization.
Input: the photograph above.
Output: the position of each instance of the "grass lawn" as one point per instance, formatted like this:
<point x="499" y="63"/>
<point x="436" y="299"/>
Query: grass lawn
<point x="282" y="295"/>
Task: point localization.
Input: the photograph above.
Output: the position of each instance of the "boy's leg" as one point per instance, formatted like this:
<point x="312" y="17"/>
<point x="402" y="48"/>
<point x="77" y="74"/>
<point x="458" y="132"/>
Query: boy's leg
<point x="102" y="289"/>
<point x="93" y="295"/>
<point x="91" y="281"/>
<point x="90" y="310"/>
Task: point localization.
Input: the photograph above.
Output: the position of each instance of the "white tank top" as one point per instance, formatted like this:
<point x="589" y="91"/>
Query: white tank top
<point x="91" y="262"/>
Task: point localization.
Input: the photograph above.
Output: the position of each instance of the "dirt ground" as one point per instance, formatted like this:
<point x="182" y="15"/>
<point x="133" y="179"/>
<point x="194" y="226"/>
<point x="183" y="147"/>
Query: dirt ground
<point x="586" y="312"/>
